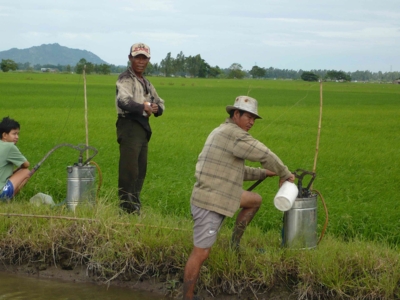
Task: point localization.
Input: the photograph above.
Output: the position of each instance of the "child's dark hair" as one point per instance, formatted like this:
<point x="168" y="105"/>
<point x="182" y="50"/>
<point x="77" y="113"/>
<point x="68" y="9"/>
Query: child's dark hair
<point x="7" y="124"/>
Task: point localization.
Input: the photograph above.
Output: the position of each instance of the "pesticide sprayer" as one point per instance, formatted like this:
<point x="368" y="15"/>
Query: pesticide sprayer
<point x="81" y="177"/>
<point x="299" y="204"/>
<point x="299" y="229"/>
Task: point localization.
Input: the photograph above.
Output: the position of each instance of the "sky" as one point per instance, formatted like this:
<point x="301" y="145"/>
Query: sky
<point x="347" y="35"/>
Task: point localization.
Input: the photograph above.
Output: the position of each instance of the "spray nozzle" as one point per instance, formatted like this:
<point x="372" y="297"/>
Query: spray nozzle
<point x="80" y="160"/>
<point x="300" y="174"/>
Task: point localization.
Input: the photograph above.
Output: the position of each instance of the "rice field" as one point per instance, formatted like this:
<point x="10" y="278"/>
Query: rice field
<point x="357" y="175"/>
<point x="357" y="163"/>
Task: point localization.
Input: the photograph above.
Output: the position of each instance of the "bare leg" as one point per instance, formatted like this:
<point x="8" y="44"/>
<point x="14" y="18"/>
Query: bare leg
<point x="250" y="203"/>
<point x="192" y="270"/>
<point x="19" y="178"/>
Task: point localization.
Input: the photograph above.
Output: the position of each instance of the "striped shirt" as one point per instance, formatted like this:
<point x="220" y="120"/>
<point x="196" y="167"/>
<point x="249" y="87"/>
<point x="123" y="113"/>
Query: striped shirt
<point x="221" y="170"/>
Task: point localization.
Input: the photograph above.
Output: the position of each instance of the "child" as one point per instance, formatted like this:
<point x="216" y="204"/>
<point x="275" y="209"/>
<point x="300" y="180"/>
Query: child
<point x="11" y="181"/>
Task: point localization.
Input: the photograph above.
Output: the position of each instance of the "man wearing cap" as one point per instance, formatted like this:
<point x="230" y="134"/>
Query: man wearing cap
<point x="218" y="191"/>
<point x="136" y="101"/>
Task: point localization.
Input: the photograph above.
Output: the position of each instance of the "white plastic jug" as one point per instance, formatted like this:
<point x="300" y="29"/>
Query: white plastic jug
<point x="41" y="198"/>
<point x="286" y="196"/>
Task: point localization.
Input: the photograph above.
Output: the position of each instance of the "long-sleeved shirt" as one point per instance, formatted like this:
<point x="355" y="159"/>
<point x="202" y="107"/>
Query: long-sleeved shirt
<point x="221" y="170"/>
<point x="131" y="94"/>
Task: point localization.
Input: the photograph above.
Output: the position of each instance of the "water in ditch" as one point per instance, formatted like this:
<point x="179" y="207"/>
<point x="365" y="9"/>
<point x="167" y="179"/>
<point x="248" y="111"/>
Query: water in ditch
<point x="33" y="288"/>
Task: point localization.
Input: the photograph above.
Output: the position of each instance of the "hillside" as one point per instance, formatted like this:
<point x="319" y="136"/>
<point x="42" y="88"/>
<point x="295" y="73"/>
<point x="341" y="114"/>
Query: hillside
<point x="52" y="54"/>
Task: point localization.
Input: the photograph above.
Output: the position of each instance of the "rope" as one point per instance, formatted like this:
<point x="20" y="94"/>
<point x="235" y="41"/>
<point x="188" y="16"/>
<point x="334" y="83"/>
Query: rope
<point x="290" y="107"/>
<point x="70" y="109"/>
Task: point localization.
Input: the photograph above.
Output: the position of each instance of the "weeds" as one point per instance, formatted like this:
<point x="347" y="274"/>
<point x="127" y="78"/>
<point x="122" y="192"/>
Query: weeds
<point x="115" y="246"/>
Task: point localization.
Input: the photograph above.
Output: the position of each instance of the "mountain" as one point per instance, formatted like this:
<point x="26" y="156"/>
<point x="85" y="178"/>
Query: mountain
<point x="52" y="54"/>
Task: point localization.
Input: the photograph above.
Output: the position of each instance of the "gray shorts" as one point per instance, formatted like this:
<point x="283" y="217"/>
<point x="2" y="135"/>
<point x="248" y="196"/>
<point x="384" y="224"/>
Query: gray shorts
<point x="206" y="226"/>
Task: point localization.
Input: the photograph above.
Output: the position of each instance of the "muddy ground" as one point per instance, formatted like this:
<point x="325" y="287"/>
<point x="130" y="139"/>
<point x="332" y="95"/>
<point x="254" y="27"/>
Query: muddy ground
<point x="161" y="289"/>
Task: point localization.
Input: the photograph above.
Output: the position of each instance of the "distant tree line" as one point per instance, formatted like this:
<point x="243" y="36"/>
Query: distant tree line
<point x="184" y="66"/>
<point x="330" y="75"/>
<point x="8" y="64"/>
<point x="196" y="66"/>
<point x="315" y="75"/>
<point x="90" y="68"/>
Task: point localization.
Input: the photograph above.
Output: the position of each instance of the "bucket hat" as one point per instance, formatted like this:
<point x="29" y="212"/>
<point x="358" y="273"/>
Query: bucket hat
<point x="245" y="103"/>
<point x="140" y="48"/>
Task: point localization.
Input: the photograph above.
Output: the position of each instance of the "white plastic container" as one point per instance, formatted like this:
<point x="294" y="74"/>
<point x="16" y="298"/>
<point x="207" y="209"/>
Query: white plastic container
<point x="286" y="196"/>
<point x="144" y="112"/>
<point x="41" y="198"/>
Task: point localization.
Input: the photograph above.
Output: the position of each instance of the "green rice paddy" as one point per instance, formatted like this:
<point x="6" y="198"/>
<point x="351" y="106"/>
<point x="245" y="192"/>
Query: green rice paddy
<point x="357" y="166"/>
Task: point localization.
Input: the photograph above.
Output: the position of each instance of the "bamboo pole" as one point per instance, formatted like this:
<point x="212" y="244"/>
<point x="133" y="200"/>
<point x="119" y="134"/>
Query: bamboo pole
<point x="319" y="127"/>
<point x="47" y="217"/>
<point x="86" y="118"/>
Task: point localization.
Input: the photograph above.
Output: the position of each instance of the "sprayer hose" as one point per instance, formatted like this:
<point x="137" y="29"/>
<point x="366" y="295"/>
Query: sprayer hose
<point x="100" y="179"/>
<point x="80" y="148"/>
<point x="326" y="216"/>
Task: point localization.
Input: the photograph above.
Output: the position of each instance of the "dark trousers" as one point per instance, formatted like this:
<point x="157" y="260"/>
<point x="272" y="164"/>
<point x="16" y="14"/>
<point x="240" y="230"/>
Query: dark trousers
<point x="133" y="148"/>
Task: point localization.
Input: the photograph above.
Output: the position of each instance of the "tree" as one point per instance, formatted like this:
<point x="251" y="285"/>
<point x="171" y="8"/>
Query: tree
<point x="81" y="64"/>
<point x="103" y="69"/>
<point x="149" y="69"/>
<point x="179" y="64"/>
<point x="236" y="71"/>
<point x="194" y="64"/>
<point x="338" y="75"/>
<point x="117" y="69"/>
<point x="204" y="69"/>
<point x="214" y="72"/>
<point x="8" y="64"/>
<point x="309" y="76"/>
<point x="257" y="72"/>
<point x="154" y="69"/>
<point x="167" y="64"/>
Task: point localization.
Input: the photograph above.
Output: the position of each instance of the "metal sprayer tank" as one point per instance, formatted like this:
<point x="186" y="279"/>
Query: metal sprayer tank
<point x="80" y="185"/>
<point x="300" y="222"/>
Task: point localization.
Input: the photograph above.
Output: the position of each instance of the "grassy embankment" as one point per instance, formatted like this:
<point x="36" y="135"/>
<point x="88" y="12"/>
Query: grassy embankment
<point x="357" y="174"/>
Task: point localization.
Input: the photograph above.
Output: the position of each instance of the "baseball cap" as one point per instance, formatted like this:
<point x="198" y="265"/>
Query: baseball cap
<point x="245" y="103"/>
<point x="140" y="48"/>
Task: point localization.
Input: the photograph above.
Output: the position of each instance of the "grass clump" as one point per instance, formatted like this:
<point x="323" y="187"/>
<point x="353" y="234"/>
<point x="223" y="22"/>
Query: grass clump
<point x="112" y="245"/>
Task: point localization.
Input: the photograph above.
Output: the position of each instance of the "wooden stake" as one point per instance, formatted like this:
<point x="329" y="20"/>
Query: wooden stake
<point x="86" y="118"/>
<point x="319" y="127"/>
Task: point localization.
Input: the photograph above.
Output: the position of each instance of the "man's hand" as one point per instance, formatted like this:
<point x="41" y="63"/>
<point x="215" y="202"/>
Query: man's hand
<point x="154" y="108"/>
<point x="290" y="179"/>
<point x="270" y="173"/>
<point x="147" y="108"/>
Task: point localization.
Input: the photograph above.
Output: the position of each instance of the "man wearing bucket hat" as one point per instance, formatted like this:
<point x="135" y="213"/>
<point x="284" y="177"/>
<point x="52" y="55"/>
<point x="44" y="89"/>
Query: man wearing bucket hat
<point x="136" y="101"/>
<point x="218" y="191"/>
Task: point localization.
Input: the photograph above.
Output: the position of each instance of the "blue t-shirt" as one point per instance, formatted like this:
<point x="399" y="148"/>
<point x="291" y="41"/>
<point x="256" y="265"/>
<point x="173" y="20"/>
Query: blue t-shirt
<point x="10" y="157"/>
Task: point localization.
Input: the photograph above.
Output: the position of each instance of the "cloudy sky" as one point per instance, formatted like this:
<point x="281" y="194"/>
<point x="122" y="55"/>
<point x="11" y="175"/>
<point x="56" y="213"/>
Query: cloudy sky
<point x="346" y="35"/>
